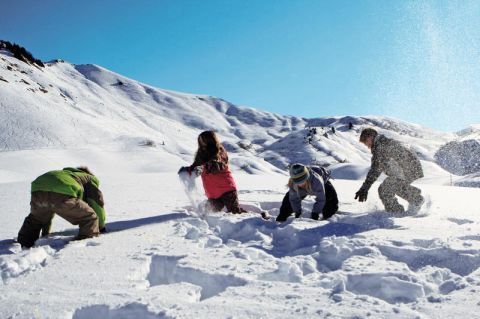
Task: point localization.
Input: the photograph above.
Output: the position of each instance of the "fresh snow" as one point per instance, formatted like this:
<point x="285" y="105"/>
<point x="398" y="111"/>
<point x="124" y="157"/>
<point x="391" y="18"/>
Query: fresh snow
<point x="165" y="258"/>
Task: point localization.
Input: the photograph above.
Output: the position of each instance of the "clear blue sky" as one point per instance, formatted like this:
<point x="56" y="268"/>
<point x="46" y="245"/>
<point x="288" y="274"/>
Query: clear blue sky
<point x="415" y="60"/>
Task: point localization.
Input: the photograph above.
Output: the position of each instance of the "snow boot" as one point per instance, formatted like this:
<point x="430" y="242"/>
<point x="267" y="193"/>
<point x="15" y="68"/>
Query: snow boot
<point x="415" y="207"/>
<point x="29" y="232"/>
<point x="395" y="209"/>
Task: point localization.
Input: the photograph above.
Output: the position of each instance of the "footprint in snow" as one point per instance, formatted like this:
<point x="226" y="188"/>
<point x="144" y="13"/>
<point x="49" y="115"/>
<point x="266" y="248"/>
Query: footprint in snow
<point x="459" y="221"/>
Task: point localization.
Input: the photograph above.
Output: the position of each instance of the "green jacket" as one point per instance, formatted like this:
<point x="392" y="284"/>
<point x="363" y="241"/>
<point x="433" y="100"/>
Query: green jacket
<point x="75" y="183"/>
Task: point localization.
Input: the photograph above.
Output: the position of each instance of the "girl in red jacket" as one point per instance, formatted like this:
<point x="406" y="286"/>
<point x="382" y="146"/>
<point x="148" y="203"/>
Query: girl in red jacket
<point x="218" y="182"/>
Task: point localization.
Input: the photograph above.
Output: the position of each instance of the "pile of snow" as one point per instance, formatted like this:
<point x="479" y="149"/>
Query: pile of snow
<point x="460" y="157"/>
<point x="24" y="261"/>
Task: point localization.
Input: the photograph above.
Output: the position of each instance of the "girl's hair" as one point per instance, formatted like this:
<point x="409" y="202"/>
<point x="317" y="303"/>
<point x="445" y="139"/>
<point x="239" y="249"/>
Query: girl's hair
<point x="209" y="148"/>
<point x="308" y="185"/>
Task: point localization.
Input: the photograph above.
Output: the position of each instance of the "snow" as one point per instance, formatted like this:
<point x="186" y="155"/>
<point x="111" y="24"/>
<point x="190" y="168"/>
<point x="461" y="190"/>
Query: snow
<point x="472" y="180"/>
<point x="163" y="257"/>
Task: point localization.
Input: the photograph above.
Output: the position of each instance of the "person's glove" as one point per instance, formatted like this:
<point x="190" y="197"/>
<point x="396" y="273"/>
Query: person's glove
<point x="185" y="169"/>
<point x="315" y="215"/>
<point x="361" y="195"/>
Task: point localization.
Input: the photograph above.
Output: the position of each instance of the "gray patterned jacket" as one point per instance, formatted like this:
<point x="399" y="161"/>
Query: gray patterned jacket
<point x="393" y="159"/>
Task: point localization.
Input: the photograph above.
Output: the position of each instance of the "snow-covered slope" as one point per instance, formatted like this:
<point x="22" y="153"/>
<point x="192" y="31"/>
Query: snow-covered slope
<point x="470" y="133"/>
<point x="162" y="259"/>
<point x="76" y="106"/>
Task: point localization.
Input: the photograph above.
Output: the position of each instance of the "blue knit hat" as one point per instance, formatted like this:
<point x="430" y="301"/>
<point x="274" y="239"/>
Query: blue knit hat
<point x="299" y="174"/>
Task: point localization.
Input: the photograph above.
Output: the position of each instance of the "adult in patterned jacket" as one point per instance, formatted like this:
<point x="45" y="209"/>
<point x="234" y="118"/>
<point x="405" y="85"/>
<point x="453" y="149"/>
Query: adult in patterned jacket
<point x="401" y="166"/>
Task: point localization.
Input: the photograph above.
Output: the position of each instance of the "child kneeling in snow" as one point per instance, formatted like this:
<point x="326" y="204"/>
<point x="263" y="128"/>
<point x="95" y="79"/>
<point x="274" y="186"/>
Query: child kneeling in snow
<point x="309" y="180"/>
<point x="217" y="179"/>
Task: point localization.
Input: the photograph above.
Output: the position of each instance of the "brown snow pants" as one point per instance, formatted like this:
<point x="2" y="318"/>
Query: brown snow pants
<point x="228" y="200"/>
<point x="44" y="205"/>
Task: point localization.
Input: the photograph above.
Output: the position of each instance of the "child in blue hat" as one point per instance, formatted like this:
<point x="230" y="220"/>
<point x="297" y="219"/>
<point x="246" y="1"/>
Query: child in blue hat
<point x="305" y="181"/>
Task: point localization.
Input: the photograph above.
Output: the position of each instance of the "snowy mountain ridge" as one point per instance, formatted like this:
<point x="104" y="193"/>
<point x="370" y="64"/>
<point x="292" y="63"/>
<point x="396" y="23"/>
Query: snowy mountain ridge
<point x="71" y="106"/>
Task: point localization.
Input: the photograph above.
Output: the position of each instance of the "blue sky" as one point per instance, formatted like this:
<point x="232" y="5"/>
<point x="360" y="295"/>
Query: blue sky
<point x="415" y="60"/>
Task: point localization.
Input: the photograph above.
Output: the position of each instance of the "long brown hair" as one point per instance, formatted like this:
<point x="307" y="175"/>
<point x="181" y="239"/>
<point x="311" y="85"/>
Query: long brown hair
<point x="209" y="148"/>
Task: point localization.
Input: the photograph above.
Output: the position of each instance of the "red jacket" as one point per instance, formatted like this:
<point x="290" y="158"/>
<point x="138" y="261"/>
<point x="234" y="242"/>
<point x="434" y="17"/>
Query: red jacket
<point x="217" y="184"/>
<point x="216" y="177"/>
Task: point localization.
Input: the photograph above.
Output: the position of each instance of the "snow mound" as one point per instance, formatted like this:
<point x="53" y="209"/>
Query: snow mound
<point x="460" y="157"/>
<point x="12" y="266"/>
<point x="133" y="310"/>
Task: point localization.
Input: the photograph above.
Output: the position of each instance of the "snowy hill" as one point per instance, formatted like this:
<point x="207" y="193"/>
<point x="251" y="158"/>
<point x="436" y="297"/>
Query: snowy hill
<point x="163" y="259"/>
<point x="73" y="106"/>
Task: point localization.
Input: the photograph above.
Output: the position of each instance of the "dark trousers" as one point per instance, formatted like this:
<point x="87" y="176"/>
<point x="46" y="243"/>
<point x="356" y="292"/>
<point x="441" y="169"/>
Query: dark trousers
<point x="330" y="208"/>
<point x="229" y="200"/>
<point x="393" y="186"/>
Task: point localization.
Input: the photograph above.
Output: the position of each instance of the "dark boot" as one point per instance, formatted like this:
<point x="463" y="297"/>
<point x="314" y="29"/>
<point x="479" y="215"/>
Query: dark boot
<point x="29" y="232"/>
<point x="286" y="209"/>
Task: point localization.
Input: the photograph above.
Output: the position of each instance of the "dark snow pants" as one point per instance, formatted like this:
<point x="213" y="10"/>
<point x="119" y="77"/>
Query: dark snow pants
<point x="392" y="186"/>
<point x="330" y="208"/>
<point x="44" y="205"/>
<point x="229" y="200"/>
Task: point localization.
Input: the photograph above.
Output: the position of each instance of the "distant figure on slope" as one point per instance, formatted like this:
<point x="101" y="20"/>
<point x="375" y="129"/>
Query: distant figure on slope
<point x="71" y="193"/>
<point x="401" y="166"/>
<point x="350" y="125"/>
<point x="304" y="181"/>
<point x="218" y="182"/>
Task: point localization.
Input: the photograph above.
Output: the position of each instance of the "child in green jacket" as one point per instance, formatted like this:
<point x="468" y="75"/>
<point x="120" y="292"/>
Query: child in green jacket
<point x="71" y="193"/>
